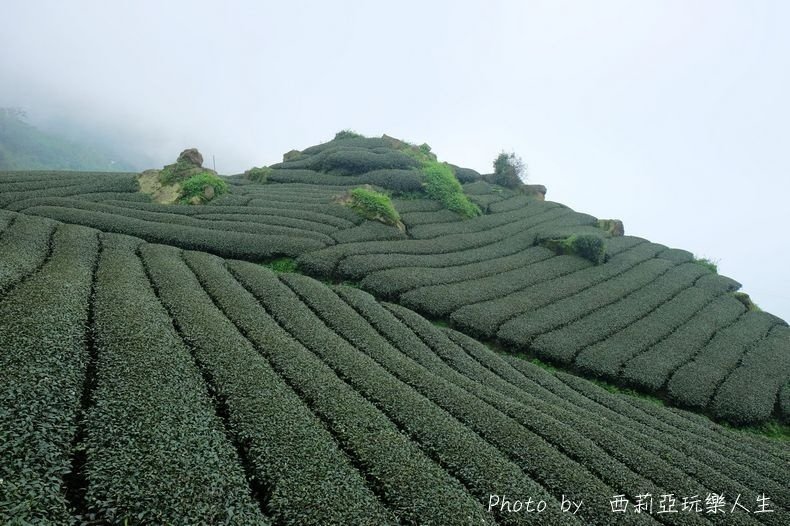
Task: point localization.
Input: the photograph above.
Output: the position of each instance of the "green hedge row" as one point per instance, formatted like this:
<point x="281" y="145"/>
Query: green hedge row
<point x="26" y="244"/>
<point x="285" y="201"/>
<point x="346" y="160"/>
<point x="416" y="205"/>
<point x="310" y="190"/>
<point x="651" y="369"/>
<point x="125" y="183"/>
<point x="442" y="300"/>
<point x="337" y="215"/>
<point x="487" y="222"/>
<point x="682" y="463"/>
<point x="309" y="479"/>
<point x="368" y="231"/>
<point x="310" y="223"/>
<point x="290" y="197"/>
<point x="655" y="458"/>
<point x="749" y="395"/>
<point x="484" y="201"/>
<point x="230" y="199"/>
<point x="695" y="383"/>
<point x="228" y="220"/>
<point x="654" y="426"/>
<point x="677" y="256"/>
<point x="43" y="359"/>
<point x="324" y="262"/>
<point x="556" y="449"/>
<point x="513" y="203"/>
<point x="520" y="330"/>
<point x="607" y="357"/>
<point x="228" y="244"/>
<point x="395" y="180"/>
<point x="26" y="176"/>
<point x="410" y="484"/>
<point x="287" y="195"/>
<point x="449" y="423"/>
<point x="616" y="245"/>
<point x="485" y="318"/>
<point x="641" y="441"/>
<point x="564" y="343"/>
<point x="43" y="184"/>
<point x="412" y="219"/>
<point x="292" y="191"/>
<point x="391" y="283"/>
<point x="492" y="416"/>
<point x="156" y="450"/>
<point x="466" y="175"/>
<point x="324" y="214"/>
<point x="283" y="226"/>
<point x="114" y="196"/>
<point x="486" y="188"/>
<point x="628" y="464"/>
<point x="59" y="176"/>
<point x="353" y="142"/>
<point x="755" y="462"/>
<point x="358" y="266"/>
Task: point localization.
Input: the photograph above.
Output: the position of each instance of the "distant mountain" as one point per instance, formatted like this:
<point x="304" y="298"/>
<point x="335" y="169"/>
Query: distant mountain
<point x="25" y="147"/>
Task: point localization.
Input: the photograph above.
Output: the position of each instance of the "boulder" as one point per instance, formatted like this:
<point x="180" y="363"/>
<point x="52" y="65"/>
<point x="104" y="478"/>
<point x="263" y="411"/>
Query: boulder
<point x="191" y="156"/>
<point x="537" y="190"/>
<point x="612" y="226"/>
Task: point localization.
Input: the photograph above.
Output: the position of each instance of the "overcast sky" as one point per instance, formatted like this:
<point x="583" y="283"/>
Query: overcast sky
<point x="670" y="115"/>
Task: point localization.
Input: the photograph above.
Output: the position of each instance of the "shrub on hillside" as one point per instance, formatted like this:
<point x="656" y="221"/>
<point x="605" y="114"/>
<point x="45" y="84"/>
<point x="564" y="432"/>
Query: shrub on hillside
<point x="508" y="170"/>
<point x="374" y="206"/>
<point x="441" y="185"/>
<point x="202" y="188"/>
<point x="348" y="134"/>
<point x="708" y="264"/>
<point x="178" y="171"/>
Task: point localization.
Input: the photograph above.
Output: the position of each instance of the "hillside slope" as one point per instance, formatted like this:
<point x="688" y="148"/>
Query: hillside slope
<point x="266" y="398"/>
<point x="640" y="315"/>
<point x="25" y="147"/>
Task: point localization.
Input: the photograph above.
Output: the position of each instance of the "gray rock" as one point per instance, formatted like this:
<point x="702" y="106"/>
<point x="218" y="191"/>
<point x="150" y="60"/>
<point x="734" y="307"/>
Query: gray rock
<point x="191" y="156"/>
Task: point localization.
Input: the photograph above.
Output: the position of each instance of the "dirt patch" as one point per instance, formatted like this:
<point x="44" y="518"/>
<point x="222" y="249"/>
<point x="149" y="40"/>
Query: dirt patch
<point x="149" y="184"/>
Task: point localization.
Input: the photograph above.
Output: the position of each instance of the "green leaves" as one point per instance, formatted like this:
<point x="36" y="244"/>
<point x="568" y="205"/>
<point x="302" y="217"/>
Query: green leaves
<point x="373" y="206"/>
<point x="442" y="185"/>
<point x="196" y="188"/>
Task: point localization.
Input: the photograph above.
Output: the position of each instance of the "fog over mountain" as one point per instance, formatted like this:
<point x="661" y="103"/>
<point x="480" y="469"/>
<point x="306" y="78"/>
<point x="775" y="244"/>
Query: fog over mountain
<point x="671" y="116"/>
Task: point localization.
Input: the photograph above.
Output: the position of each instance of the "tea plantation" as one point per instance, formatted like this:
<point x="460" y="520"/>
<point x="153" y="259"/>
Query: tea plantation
<point x="154" y="369"/>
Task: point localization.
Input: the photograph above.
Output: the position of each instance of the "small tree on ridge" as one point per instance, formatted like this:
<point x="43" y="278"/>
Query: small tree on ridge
<point x="508" y="170"/>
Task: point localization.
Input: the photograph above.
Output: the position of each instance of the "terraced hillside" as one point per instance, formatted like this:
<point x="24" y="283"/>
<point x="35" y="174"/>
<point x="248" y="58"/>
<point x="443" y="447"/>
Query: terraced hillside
<point x="268" y="398"/>
<point x="649" y="317"/>
<point x="146" y="347"/>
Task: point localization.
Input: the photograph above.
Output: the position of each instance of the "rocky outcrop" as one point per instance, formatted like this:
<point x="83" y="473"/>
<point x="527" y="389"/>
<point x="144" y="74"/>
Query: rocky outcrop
<point x="537" y="190"/>
<point x="191" y="156"/>
<point x="613" y="226"/>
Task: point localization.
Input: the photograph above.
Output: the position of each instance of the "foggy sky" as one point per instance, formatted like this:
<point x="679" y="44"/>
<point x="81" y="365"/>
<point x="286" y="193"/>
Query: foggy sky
<point x="670" y="115"/>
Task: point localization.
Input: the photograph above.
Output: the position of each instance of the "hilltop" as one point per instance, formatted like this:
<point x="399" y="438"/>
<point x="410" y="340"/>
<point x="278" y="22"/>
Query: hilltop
<point x="364" y="334"/>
